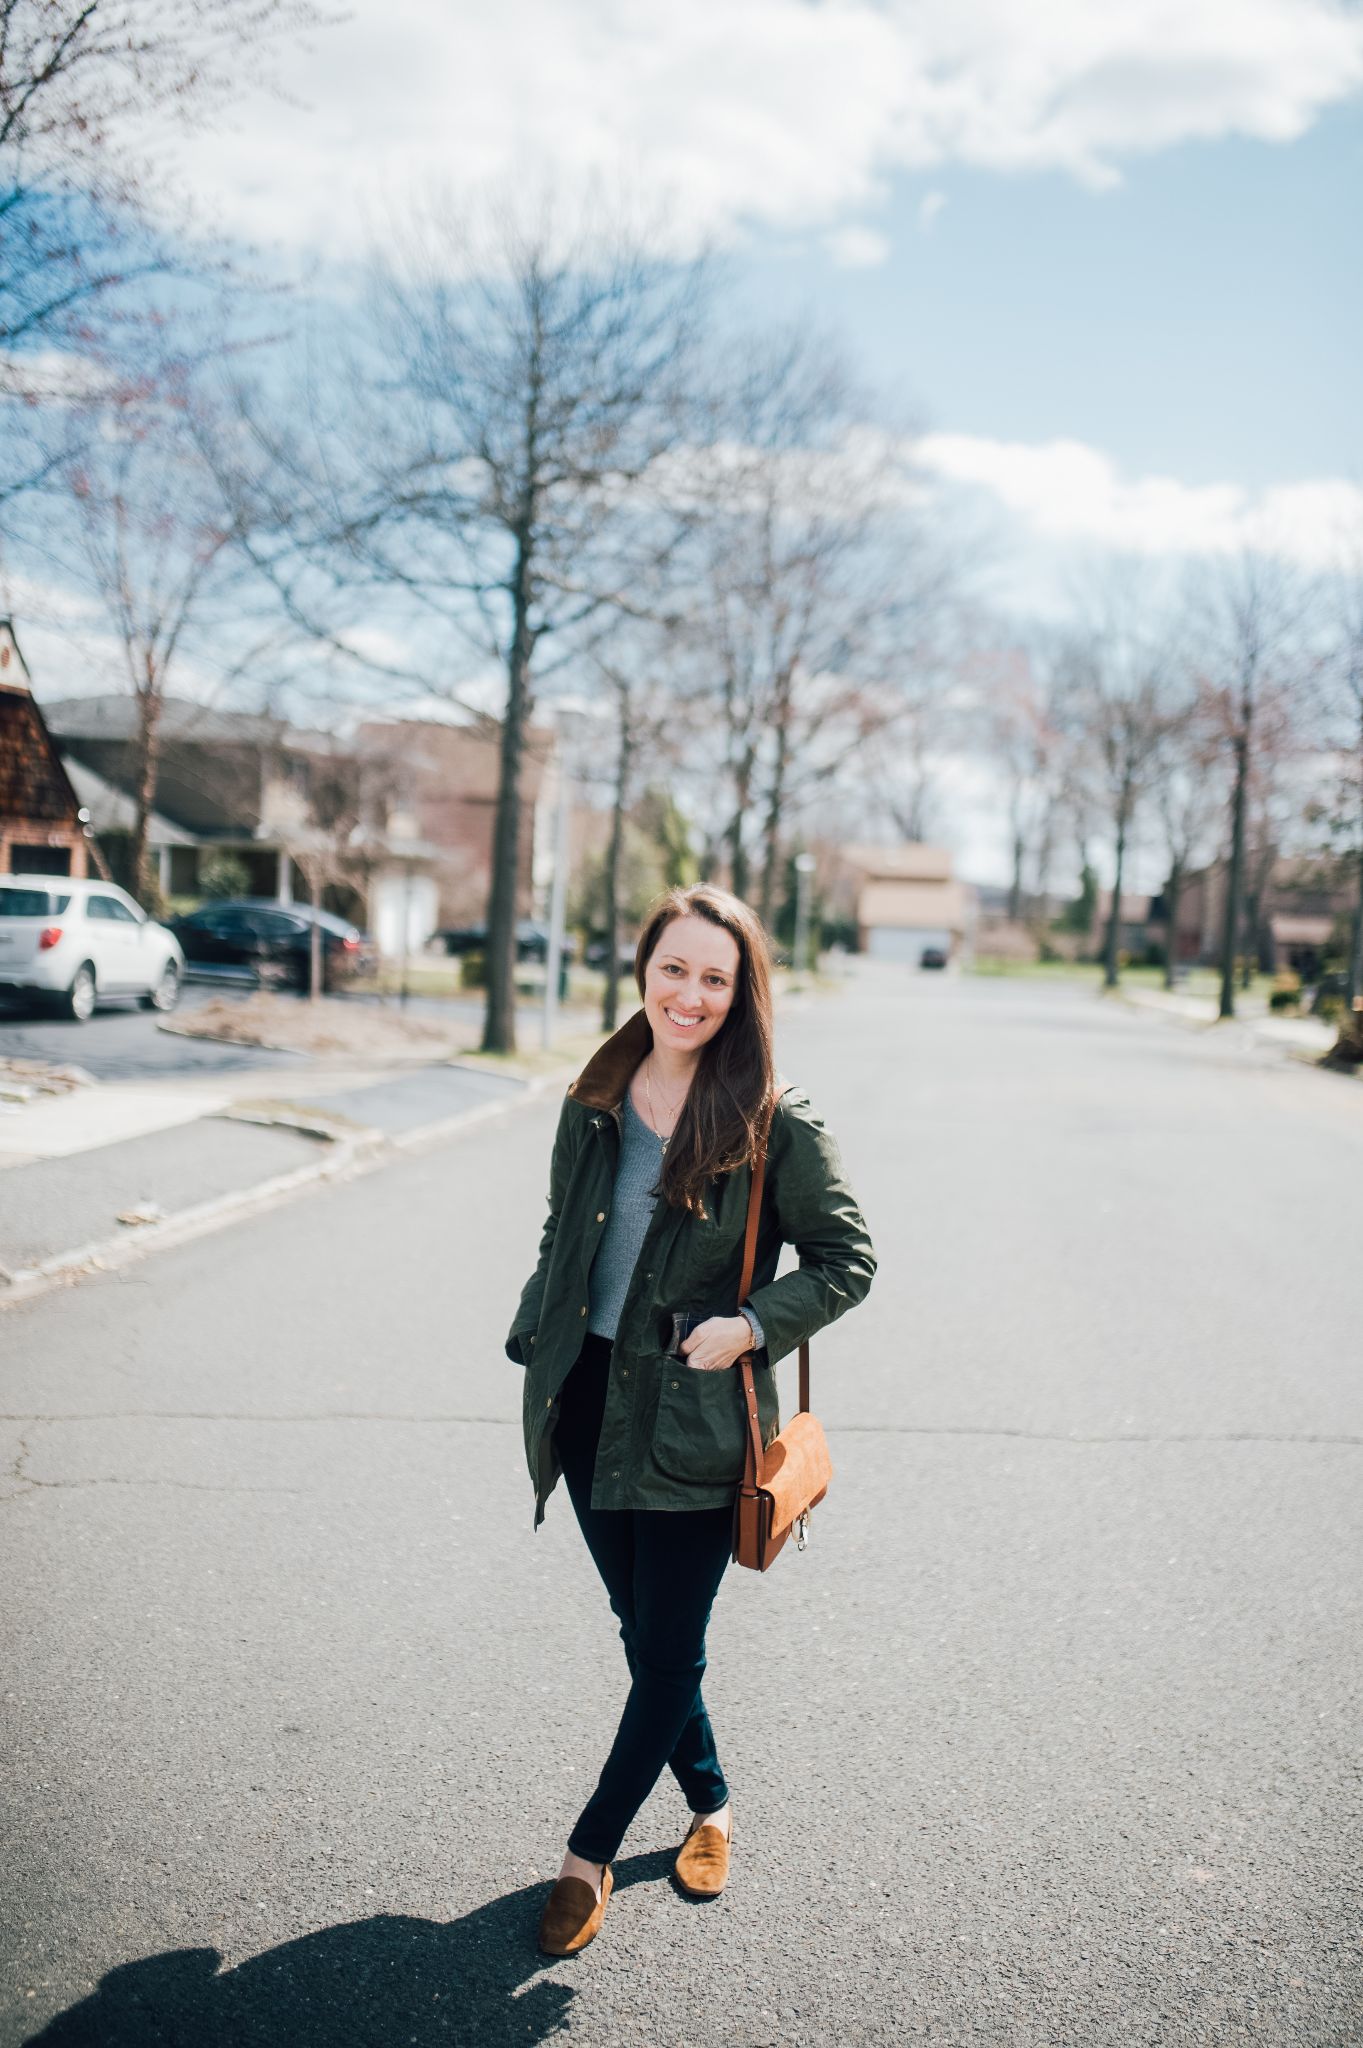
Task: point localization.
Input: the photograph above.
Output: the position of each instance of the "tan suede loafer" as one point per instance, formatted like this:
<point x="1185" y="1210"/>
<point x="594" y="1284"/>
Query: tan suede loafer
<point x="572" y="1914"/>
<point x="702" y="1864"/>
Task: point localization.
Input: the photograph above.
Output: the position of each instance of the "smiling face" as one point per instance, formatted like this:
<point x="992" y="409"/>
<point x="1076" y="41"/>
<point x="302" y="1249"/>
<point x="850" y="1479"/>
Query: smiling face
<point x="689" y="983"/>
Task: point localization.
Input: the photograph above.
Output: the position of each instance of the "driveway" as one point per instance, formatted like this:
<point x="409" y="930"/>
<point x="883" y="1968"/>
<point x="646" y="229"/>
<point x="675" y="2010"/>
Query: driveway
<point x="124" y="1043"/>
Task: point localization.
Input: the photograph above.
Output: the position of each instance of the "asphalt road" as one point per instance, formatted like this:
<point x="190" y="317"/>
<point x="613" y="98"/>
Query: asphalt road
<point x="123" y="1042"/>
<point x="1051" y="1737"/>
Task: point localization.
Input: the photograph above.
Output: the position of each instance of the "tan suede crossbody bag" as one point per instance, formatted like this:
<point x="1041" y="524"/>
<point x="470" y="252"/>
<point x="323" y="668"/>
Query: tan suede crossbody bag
<point x="786" y="1479"/>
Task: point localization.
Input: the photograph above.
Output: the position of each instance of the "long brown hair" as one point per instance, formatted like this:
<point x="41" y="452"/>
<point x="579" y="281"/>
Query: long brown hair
<point x="724" y="1117"/>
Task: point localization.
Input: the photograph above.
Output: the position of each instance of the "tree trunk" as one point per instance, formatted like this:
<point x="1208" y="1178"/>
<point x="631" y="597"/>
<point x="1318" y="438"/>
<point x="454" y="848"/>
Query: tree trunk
<point x="1114" y="921"/>
<point x="1250" y="951"/>
<point x="1348" y="1045"/>
<point x="610" y="1002"/>
<point x="1235" y="877"/>
<point x="499" y="1017"/>
<point x="1354" y="988"/>
<point x="148" y="763"/>
<point x="315" y="936"/>
<point x="738" y="854"/>
<point x="1015" y="886"/>
<point x="776" y="795"/>
<point x="1171" y="896"/>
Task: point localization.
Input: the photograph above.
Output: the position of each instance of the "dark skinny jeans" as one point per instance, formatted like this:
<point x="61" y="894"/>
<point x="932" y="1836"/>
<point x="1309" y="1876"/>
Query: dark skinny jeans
<point x="662" y="1570"/>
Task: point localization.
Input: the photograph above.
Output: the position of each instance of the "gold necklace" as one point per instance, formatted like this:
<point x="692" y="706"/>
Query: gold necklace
<point x="653" y="1114"/>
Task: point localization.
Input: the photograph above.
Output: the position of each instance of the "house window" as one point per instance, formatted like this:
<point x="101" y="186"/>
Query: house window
<point x="40" y="860"/>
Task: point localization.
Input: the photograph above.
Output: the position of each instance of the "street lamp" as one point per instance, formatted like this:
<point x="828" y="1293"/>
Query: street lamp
<point x="805" y="865"/>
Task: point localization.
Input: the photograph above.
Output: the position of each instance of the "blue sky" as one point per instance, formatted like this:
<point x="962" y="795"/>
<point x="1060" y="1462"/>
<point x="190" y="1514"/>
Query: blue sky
<point x="1204" y="319"/>
<point x="1108" y="257"/>
<point x="1111" y="255"/>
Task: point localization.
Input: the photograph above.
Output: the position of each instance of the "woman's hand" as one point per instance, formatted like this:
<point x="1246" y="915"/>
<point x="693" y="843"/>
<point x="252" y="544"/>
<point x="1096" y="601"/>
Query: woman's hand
<point x="717" y="1342"/>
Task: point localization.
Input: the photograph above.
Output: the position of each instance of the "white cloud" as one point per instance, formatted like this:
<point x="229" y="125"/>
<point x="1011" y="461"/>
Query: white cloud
<point x="929" y="206"/>
<point x="1067" y="492"/>
<point x="857" y="248"/>
<point x="768" y="111"/>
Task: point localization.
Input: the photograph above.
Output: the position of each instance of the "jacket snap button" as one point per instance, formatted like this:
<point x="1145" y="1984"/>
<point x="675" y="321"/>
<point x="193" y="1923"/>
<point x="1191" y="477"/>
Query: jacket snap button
<point x="550" y="1402"/>
<point x="582" y="1311"/>
<point x="615" y="1475"/>
<point x="600" y="1215"/>
<point x="676" y="1383"/>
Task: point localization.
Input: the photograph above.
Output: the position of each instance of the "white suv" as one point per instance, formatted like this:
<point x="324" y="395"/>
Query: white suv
<point x="79" y="942"/>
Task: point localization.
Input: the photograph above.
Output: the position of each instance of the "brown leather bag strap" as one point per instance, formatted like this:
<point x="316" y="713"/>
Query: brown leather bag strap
<point x="759" y="1176"/>
<point x="752" y="1456"/>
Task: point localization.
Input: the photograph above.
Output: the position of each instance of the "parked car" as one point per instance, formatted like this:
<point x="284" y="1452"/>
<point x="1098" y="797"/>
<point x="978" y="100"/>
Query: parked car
<point x="598" y="953"/>
<point x="267" y="944"/>
<point x="932" y="956"/>
<point x="79" y="943"/>
<point x="532" y="940"/>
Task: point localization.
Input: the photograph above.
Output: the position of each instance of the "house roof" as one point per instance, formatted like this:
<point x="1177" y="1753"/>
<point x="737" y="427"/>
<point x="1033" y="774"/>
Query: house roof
<point x="913" y="906"/>
<point x="33" y="782"/>
<point x="908" y="862"/>
<point x="113" y="810"/>
<point x="114" y="717"/>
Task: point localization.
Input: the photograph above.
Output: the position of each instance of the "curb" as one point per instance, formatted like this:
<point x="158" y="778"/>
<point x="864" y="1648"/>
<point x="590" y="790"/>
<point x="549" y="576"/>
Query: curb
<point x="353" y="1157"/>
<point x="1283" y="1049"/>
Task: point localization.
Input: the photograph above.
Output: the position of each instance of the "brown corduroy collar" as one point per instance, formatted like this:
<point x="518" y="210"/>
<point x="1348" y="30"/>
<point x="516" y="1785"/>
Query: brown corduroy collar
<point x="606" y="1076"/>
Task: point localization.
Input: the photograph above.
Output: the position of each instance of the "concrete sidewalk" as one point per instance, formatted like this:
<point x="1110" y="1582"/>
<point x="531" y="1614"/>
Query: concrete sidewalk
<point x="1299" y="1037"/>
<point x="94" y="1174"/>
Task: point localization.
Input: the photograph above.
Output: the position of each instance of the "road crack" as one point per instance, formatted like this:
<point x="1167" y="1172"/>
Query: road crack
<point x="965" y="1429"/>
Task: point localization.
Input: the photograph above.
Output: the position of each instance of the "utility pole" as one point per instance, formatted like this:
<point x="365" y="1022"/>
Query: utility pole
<point x="558" y="892"/>
<point x="804" y="868"/>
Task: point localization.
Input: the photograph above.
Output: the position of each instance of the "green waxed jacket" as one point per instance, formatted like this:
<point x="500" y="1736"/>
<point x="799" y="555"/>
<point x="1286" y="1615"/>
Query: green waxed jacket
<point x="672" y="1436"/>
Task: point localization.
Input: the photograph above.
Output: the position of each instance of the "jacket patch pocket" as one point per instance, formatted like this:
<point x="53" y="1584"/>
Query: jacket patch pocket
<point x="699" y="1432"/>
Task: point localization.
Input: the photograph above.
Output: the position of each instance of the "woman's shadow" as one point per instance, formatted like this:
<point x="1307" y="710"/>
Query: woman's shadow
<point x="387" y="1982"/>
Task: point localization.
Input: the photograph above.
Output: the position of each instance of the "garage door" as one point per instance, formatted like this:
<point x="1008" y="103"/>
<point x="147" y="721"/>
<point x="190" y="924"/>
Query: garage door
<point x="890" y="942"/>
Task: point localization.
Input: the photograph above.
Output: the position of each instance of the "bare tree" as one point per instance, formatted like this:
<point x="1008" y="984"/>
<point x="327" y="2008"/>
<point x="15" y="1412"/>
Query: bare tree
<point x="649" y="734"/>
<point x="1351" y="668"/>
<point x="1346" y="812"/>
<point x="1017" y="695"/>
<point x="532" y="382"/>
<point x="1249" y="621"/>
<point x="80" y="82"/>
<point x="1190" y="796"/>
<point x="157" y="549"/>
<point x="810" y="585"/>
<point x="1118" y="660"/>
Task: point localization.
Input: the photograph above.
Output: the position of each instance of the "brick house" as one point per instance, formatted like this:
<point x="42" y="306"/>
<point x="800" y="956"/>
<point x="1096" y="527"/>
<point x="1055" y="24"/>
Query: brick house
<point x="444" y="779"/>
<point x="44" y="829"/>
<point x="1300" y="909"/>
<point x="905" y="899"/>
<point x="220" y="780"/>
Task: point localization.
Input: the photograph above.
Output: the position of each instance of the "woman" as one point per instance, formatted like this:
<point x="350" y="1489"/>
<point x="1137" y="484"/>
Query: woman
<point x="630" y="1325"/>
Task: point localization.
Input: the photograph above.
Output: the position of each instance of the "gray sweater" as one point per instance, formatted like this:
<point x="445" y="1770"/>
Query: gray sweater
<point x="631" y="1211"/>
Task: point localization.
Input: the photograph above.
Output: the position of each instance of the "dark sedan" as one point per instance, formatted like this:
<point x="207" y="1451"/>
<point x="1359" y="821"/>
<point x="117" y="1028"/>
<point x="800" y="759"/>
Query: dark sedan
<point x="532" y="940"/>
<point x="268" y="944"/>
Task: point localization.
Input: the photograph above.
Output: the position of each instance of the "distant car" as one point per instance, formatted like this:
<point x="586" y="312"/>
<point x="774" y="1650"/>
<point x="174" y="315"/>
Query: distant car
<point x="267" y="944"/>
<point x="80" y="943"/>
<point x="598" y="953"/>
<point x="532" y="940"/>
<point x="932" y="956"/>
